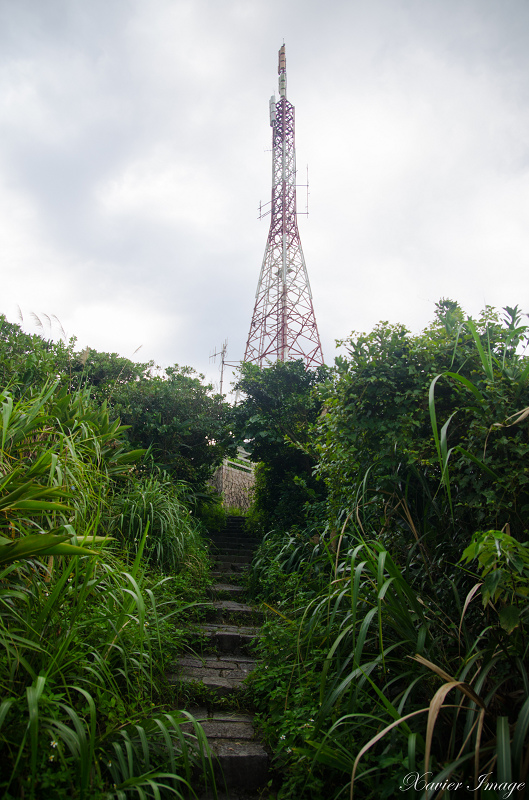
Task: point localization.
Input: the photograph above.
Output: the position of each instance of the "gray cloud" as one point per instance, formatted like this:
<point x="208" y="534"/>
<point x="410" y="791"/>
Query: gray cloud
<point x="133" y="157"/>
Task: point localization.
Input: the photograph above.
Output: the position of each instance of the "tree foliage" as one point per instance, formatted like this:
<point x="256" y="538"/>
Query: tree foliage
<point x="171" y="413"/>
<point x="179" y="419"/>
<point x="419" y="430"/>
<point x="273" y="421"/>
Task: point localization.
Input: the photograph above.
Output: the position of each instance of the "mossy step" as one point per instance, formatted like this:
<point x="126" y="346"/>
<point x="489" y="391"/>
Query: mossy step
<point x="230" y="566"/>
<point x="229" y="638"/>
<point x="229" y="590"/>
<point x="226" y="577"/>
<point x="233" y="557"/>
<point x="232" y="550"/>
<point x="249" y="541"/>
<point x="225" y="611"/>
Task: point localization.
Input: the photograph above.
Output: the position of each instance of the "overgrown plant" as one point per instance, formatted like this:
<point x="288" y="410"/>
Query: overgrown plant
<point x="423" y="441"/>
<point x="81" y="668"/>
<point x="82" y="638"/>
<point x="156" y="502"/>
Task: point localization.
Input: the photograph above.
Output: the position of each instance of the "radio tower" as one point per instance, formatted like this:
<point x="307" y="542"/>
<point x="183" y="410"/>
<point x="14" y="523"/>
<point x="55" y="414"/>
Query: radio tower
<point x="283" y="324"/>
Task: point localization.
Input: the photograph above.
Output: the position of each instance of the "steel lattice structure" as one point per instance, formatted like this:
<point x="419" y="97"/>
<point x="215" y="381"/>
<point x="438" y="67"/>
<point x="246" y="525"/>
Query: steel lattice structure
<point x="283" y="324"/>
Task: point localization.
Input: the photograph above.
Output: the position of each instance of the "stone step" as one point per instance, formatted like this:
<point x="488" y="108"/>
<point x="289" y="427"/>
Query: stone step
<point x="235" y="522"/>
<point x="239" y="794"/>
<point x="233" y="639"/>
<point x="228" y="590"/>
<point x="221" y="724"/>
<point x="234" y="532"/>
<point x="232" y="546"/>
<point x="228" y="577"/>
<point x="238" y="533"/>
<point x="230" y="566"/>
<point x="228" y="611"/>
<point x="233" y="543"/>
<point x="236" y="556"/>
<point x="240" y="762"/>
<point x="222" y="675"/>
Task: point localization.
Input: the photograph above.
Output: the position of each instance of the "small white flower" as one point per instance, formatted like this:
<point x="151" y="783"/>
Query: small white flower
<point x="53" y="743"/>
<point x="52" y="757"/>
<point x="283" y="737"/>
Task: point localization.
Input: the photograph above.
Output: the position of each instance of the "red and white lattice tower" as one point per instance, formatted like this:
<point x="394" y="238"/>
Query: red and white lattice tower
<point x="283" y="326"/>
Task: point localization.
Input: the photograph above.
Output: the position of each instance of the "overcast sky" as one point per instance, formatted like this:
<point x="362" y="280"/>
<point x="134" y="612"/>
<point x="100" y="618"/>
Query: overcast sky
<point x="135" y="148"/>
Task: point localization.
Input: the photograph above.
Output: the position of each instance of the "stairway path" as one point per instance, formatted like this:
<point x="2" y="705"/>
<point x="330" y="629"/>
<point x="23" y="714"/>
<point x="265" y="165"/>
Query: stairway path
<point x="241" y="760"/>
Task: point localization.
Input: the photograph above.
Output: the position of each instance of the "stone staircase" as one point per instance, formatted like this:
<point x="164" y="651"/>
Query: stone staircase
<point x="241" y="761"/>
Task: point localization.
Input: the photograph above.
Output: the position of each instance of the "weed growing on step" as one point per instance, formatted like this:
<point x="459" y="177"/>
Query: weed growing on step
<point x="286" y="710"/>
<point x="192" y="694"/>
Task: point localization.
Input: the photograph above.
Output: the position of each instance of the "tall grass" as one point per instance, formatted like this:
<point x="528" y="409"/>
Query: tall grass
<point x="82" y="642"/>
<point x="156" y="502"/>
<point x="81" y="668"/>
<point x="411" y="655"/>
<point x="397" y="682"/>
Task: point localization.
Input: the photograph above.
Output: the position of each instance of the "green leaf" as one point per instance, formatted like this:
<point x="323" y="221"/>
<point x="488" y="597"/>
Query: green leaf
<point x="509" y="618"/>
<point x="40" y="544"/>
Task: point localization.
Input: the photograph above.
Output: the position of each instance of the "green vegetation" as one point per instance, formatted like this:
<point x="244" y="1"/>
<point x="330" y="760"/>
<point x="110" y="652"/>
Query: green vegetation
<point x="393" y="498"/>
<point x="87" y="626"/>
<point x="274" y="420"/>
<point x="382" y="664"/>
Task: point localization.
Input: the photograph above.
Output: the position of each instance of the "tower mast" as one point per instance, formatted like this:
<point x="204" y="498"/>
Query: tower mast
<point x="283" y="324"/>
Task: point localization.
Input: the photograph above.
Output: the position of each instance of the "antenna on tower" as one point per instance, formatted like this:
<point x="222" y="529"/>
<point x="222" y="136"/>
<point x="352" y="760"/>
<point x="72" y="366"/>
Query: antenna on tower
<point x="283" y="325"/>
<point x="222" y="353"/>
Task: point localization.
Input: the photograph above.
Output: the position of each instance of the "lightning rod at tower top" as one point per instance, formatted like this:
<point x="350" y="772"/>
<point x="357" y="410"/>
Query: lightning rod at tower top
<point x="283" y="326"/>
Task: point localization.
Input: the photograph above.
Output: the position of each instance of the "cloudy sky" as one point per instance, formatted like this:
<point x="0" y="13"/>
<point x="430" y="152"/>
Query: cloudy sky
<point x="135" y="148"/>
